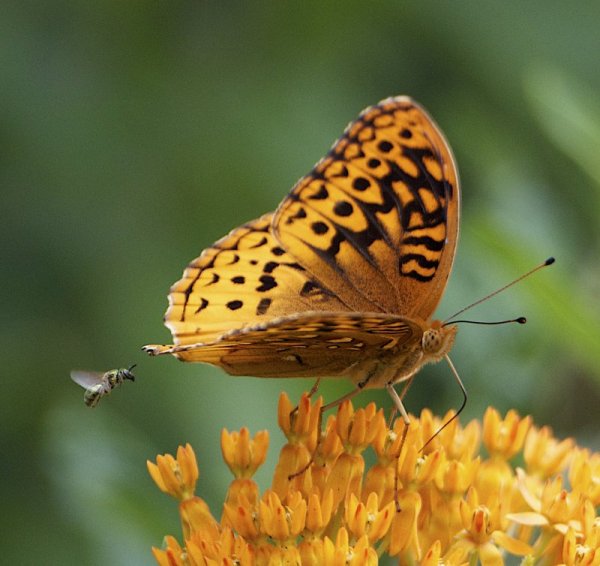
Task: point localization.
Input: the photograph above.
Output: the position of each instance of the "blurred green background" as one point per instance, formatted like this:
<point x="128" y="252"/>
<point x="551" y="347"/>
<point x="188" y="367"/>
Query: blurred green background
<point x="136" y="133"/>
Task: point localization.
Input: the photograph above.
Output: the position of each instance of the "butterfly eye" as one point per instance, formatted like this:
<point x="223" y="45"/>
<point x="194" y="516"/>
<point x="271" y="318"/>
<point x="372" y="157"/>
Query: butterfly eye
<point x="438" y="341"/>
<point x="432" y="341"/>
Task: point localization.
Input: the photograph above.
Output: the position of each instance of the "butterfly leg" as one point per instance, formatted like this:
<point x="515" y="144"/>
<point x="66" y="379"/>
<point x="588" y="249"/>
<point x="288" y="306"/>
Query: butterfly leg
<point x="462" y="406"/>
<point x="324" y="408"/>
<point x="397" y="399"/>
<point x="402" y="394"/>
<point x="339" y="401"/>
<point x="315" y="387"/>
<point x="312" y="391"/>
<point x="312" y="456"/>
<point x="359" y="387"/>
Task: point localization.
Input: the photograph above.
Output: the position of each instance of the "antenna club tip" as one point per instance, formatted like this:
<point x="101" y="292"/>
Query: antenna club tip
<point x="521" y="320"/>
<point x="549" y="261"/>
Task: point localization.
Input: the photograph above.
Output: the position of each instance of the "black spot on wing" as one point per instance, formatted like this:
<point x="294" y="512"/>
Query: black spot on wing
<point x="215" y="279"/>
<point x="343" y="208"/>
<point x="203" y="304"/>
<point x="420" y="260"/>
<point x="270" y="266"/>
<point x="361" y="184"/>
<point x="428" y="242"/>
<point x="267" y="283"/>
<point x="298" y="215"/>
<point x="263" y="306"/>
<point x="260" y="243"/>
<point x="385" y="146"/>
<point x="319" y="228"/>
<point x="321" y="194"/>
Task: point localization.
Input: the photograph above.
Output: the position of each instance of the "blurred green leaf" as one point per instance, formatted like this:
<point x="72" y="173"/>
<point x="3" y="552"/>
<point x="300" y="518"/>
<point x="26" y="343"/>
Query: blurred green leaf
<point x="568" y="112"/>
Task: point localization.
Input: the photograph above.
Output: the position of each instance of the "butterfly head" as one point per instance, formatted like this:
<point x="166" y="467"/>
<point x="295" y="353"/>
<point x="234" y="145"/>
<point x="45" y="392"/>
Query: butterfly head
<point x="437" y="340"/>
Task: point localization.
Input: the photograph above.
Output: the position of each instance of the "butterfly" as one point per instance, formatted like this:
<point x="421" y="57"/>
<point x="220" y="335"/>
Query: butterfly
<point x="98" y="384"/>
<point x="342" y="280"/>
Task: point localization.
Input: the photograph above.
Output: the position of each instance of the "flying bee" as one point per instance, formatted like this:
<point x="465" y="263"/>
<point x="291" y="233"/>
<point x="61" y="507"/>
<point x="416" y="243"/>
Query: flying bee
<point x="98" y="385"/>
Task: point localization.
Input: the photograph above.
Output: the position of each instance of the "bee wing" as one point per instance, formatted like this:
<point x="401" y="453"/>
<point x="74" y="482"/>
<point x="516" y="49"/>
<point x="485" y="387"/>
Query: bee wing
<point x="86" y="379"/>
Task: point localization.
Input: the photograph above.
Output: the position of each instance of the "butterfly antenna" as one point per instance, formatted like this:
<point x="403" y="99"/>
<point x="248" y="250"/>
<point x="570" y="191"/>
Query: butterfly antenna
<point x="311" y="460"/>
<point x="520" y="320"/>
<point x="549" y="261"/>
<point x="460" y="410"/>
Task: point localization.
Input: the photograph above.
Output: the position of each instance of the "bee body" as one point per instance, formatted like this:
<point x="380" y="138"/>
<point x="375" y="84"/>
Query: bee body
<point x="98" y="385"/>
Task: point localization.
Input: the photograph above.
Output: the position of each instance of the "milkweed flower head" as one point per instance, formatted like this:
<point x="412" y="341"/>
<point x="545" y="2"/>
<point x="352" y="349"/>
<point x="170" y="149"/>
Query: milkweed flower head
<point x="446" y="501"/>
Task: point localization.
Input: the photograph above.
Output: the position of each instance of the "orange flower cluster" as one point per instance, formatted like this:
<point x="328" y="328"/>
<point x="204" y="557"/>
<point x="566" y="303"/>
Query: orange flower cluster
<point x="446" y="504"/>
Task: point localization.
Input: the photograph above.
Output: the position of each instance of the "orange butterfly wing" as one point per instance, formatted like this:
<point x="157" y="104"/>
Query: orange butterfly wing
<point x="243" y="278"/>
<point x="309" y="344"/>
<point x="377" y="219"/>
<point x="371" y="229"/>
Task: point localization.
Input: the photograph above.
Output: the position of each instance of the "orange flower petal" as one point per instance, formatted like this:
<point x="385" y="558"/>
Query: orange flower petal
<point x="177" y="477"/>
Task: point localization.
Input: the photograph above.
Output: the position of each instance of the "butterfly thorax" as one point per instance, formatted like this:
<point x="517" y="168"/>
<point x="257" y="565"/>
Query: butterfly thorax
<point x="399" y="363"/>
